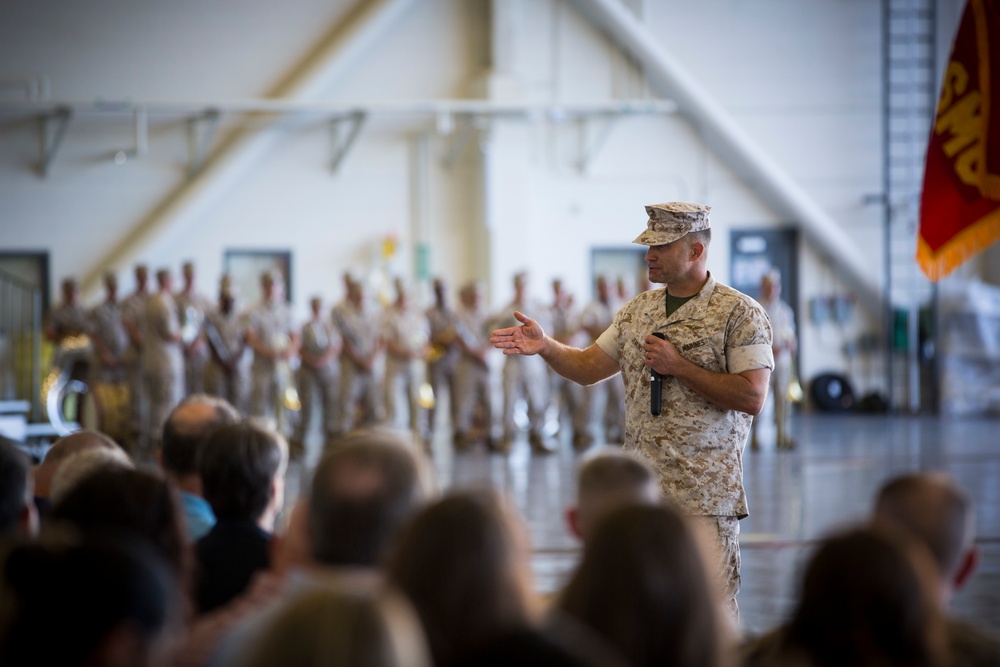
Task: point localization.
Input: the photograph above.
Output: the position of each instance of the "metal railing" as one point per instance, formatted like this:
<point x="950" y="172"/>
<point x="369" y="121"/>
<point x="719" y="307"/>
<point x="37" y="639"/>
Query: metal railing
<point x="21" y="342"/>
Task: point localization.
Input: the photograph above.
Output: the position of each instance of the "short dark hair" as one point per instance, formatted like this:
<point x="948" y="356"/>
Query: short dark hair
<point x="117" y="500"/>
<point x="183" y="436"/>
<point x="363" y="491"/>
<point x="99" y="582"/>
<point x="237" y="465"/>
<point x="932" y="508"/>
<point x="14" y="470"/>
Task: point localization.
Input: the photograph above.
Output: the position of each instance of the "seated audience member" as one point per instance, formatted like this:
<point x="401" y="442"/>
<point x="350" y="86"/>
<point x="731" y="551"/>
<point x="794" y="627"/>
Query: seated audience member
<point x="17" y="510"/>
<point x="932" y="508"/>
<point x="62" y="449"/>
<point x="242" y="468"/>
<point x="94" y="603"/>
<point x="363" y="491"/>
<point x="866" y="599"/>
<point x="331" y="626"/>
<point x="464" y="564"/>
<point x="642" y="586"/>
<point x="116" y="500"/>
<point x="81" y="465"/>
<point x="186" y="428"/>
<point x="606" y="480"/>
<point x="367" y="486"/>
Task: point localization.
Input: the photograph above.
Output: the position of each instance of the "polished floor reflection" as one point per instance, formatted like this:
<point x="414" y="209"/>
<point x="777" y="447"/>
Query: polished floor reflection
<point x="795" y="497"/>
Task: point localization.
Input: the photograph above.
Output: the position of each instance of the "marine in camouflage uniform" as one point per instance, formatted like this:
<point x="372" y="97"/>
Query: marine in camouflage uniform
<point x="319" y="374"/>
<point x="784" y="347"/>
<point x="162" y="356"/>
<point x="473" y="381"/>
<point x="227" y="373"/>
<point x="523" y="376"/>
<point x="442" y="362"/>
<point x="107" y="332"/>
<point x="274" y="342"/>
<point x="567" y="396"/>
<point x="192" y="308"/>
<point x="133" y="312"/>
<point x="607" y="399"/>
<point x="65" y="321"/>
<point x="406" y="337"/>
<point x="715" y="360"/>
<point x="360" y="326"/>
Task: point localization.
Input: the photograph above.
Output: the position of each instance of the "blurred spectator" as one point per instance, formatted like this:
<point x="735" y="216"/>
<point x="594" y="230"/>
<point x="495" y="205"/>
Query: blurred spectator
<point x="932" y="508"/>
<point x="643" y="587"/>
<point x="867" y="599"/>
<point x="17" y="511"/>
<point x="326" y="626"/>
<point x="81" y="465"/>
<point x="61" y="450"/>
<point x="116" y="500"/>
<point x="185" y="431"/>
<point x="99" y="603"/>
<point x="464" y="564"/>
<point x="242" y="468"/>
<point x="606" y="480"/>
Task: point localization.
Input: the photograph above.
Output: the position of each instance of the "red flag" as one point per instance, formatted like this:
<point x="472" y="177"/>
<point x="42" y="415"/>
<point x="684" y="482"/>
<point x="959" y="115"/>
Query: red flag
<point x="960" y="203"/>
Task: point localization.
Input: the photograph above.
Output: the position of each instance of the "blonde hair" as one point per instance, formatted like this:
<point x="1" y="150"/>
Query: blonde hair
<point x="336" y="626"/>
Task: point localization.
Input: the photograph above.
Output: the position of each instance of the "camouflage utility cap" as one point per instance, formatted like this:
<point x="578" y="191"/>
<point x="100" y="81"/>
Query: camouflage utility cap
<point x="669" y="222"/>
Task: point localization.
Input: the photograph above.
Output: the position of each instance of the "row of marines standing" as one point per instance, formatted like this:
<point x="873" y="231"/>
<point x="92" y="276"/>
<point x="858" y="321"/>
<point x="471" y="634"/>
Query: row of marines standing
<point x="359" y="365"/>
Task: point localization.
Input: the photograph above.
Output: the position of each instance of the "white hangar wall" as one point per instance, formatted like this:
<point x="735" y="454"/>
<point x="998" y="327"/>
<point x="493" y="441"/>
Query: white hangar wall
<point x="800" y="77"/>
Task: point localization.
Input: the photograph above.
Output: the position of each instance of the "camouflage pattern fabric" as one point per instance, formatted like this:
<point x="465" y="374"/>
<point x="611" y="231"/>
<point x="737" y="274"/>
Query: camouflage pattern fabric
<point x="696" y="447"/>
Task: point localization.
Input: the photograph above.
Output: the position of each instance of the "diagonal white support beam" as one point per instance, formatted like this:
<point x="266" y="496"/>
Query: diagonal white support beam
<point x="734" y="145"/>
<point x="241" y="149"/>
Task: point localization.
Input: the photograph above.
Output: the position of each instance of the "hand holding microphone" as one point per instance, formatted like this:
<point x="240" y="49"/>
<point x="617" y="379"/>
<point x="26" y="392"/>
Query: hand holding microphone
<point x="655" y="385"/>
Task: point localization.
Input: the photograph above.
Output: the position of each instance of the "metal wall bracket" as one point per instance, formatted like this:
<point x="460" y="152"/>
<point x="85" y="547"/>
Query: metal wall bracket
<point x="51" y="131"/>
<point x="343" y="132"/>
<point x="201" y="131"/>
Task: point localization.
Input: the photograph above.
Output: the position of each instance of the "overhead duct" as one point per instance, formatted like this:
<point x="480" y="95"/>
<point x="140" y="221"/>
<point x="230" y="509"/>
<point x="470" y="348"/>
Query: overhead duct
<point x="241" y="149"/>
<point x="734" y="145"/>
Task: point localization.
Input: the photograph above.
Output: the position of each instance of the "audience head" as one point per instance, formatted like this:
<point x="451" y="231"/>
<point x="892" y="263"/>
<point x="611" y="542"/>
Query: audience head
<point x="186" y="429"/>
<point x="328" y="626"/>
<point x="932" y="508"/>
<point x="17" y="510"/>
<point x="93" y="602"/>
<point x="83" y="464"/>
<point x="643" y="587"/>
<point x="117" y="500"/>
<point x="363" y="490"/>
<point x="605" y="480"/>
<point x="867" y="599"/>
<point x="242" y="468"/>
<point x="62" y="449"/>
<point x="464" y="564"/>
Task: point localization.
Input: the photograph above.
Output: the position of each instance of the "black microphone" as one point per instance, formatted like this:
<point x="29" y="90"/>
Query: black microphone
<point x="655" y="385"/>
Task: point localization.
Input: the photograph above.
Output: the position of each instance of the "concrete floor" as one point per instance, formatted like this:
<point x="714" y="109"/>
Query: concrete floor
<point x="795" y="497"/>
